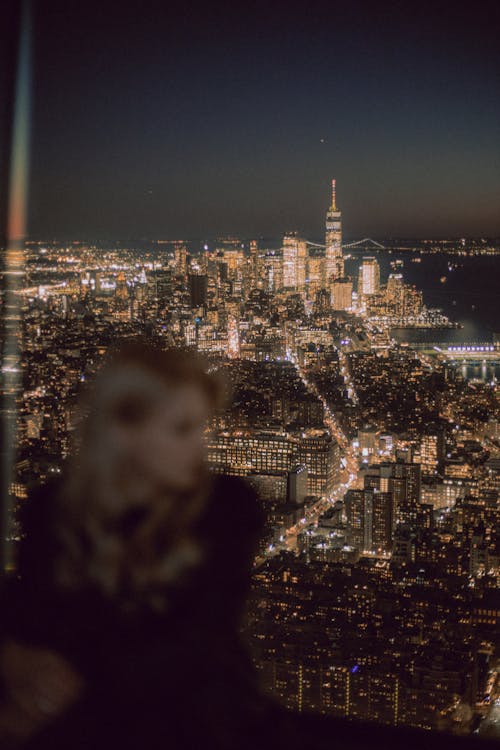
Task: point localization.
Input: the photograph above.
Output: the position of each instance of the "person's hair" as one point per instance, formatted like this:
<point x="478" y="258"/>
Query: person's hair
<point x="115" y="533"/>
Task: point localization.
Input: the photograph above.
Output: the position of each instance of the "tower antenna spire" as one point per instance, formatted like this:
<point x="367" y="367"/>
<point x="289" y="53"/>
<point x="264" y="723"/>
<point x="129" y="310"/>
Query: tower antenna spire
<point x="334" y="205"/>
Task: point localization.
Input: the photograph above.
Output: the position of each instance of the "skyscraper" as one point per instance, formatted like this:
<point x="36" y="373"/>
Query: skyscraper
<point x="334" y="261"/>
<point x="253" y="262"/>
<point x="180" y="253"/>
<point x="369" y="518"/>
<point x="294" y="262"/>
<point x="198" y="284"/>
<point x="369" y="277"/>
<point x="341" y="294"/>
<point x="403" y="481"/>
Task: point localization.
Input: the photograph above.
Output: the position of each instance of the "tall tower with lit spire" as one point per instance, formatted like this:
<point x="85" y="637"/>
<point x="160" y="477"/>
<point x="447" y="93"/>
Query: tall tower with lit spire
<point x="334" y="261"/>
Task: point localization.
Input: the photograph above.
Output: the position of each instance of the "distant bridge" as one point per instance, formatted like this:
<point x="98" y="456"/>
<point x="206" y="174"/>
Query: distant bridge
<point x="367" y="240"/>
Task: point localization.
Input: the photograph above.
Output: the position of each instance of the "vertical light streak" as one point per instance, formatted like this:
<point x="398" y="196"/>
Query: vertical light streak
<point x="13" y="273"/>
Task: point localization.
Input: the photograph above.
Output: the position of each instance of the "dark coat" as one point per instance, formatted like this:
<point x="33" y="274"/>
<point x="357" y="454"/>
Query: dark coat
<point x="179" y="679"/>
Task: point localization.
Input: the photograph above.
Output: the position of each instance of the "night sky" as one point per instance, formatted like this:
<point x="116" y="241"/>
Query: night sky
<point x="193" y="121"/>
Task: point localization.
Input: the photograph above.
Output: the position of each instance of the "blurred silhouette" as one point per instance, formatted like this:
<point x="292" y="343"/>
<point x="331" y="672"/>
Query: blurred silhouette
<point x="133" y="572"/>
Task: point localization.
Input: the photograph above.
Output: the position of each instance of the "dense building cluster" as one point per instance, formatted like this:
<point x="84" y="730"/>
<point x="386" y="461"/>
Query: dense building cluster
<point x="369" y="640"/>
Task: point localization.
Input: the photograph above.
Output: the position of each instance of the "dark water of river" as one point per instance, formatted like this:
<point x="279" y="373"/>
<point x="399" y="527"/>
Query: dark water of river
<point x="469" y="294"/>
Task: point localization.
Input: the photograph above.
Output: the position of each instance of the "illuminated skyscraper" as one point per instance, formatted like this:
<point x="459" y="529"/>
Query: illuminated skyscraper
<point x="315" y="275"/>
<point x="334" y="261"/>
<point x="235" y="259"/>
<point x="180" y="253"/>
<point x="341" y="294"/>
<point x="395" y="290"/>
<point x="273" y="271"/>
<point x="369" y="519"/>
<point x="403" y="481"/>
<point x="294" y="261"/>
<point x="253" y="264"/>
<point x="321" y="454"/>
<point x="369" y="277"/>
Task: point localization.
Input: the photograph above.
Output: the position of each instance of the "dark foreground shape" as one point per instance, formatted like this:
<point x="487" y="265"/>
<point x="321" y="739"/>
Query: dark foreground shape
<point x="180" y="680"/>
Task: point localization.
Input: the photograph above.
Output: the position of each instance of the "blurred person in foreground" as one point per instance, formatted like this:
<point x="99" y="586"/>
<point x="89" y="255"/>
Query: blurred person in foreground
<point x="122" y="626"/>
